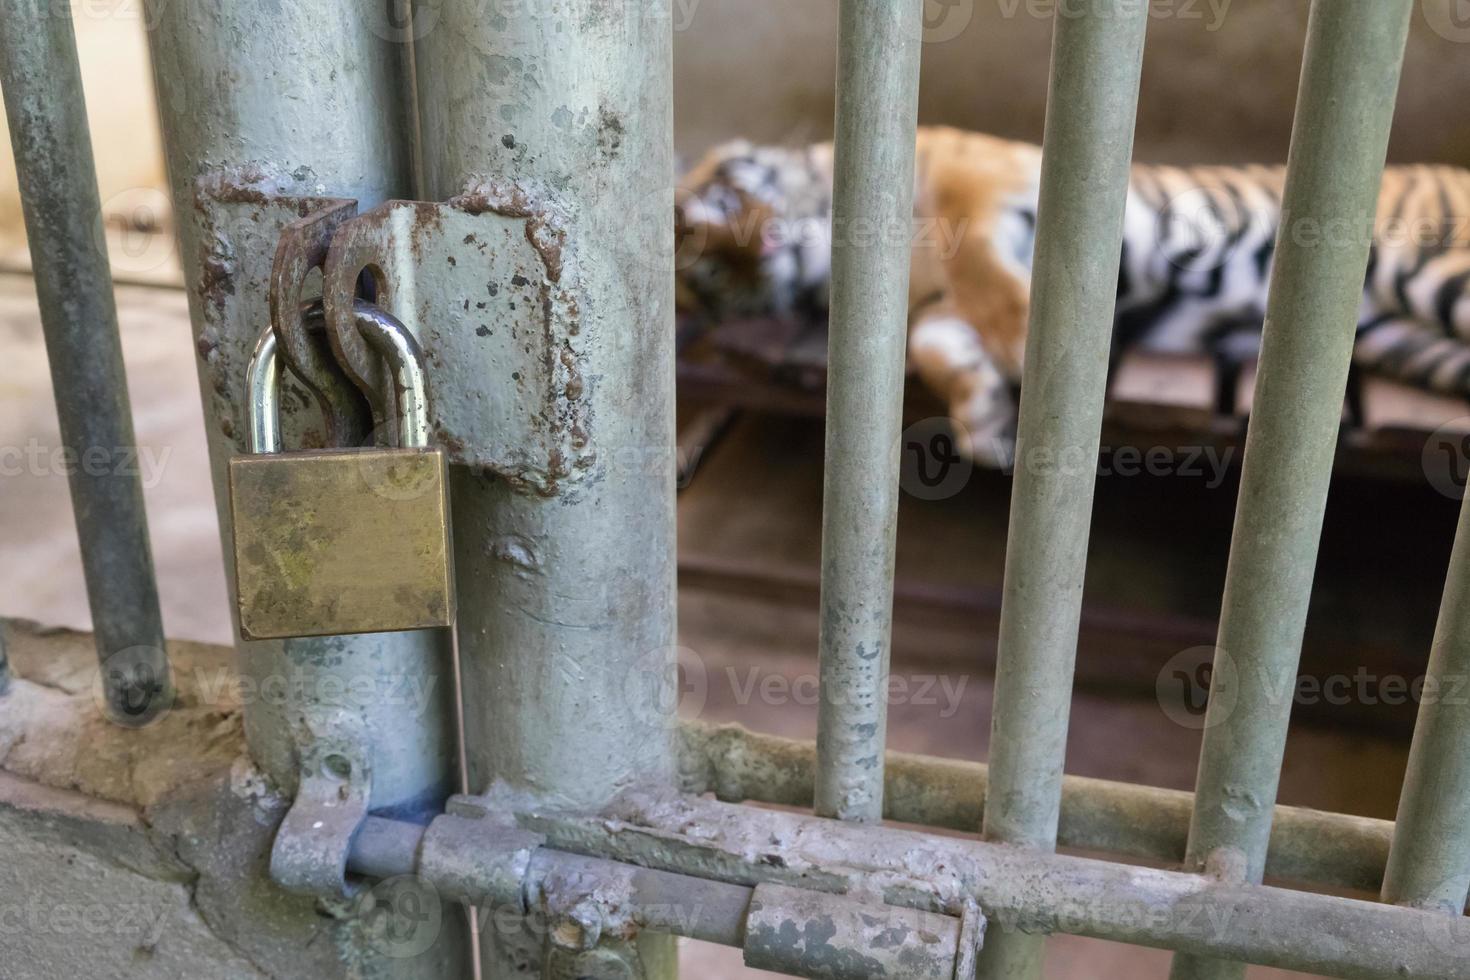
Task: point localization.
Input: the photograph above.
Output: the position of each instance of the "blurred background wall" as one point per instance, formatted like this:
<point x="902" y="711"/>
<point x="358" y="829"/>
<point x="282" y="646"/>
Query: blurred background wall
<point x="112" y="43"/>
<point x="1219" y="78"/>
<point x="1219" y="83"/>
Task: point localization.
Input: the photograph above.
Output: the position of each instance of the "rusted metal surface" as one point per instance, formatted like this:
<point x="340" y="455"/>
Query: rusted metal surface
<point x="476" y="860"/>
<point x="1123" y="819"/>
<point x="791" y="930"/>
<point x="303" y="248"/>
<point x="1020" y="890"/>
<point x="488" y="284"/>
<point x="242" y="215"/>
<point x="587" y="900"/>
<point x="566" y="582"/>
<point x="476" y="854"/>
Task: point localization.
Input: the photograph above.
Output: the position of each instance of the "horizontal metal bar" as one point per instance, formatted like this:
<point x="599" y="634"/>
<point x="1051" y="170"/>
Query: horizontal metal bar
<point x="42" y="83"/>
<point x="1018" y="889"/>
<point x="586" y="899"/>
<point x="1350" y="77"/>
<point x="1123" y="819"/>
<point x="878" y="44"/>
<point x="385" y="848"/>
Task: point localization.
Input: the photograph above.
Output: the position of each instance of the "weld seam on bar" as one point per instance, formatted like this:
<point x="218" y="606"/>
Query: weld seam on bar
<point x="44" y="103"/>
<point x="1429" y="863"/>
<point x="1123" y="819"/>
<point x="1350" y="75"/>
<point x="1097" y="59"/>
<point x="877" y="115"/>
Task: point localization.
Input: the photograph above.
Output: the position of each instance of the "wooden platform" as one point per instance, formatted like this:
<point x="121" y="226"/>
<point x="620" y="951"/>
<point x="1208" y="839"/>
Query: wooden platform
<point x="780" y="366"/>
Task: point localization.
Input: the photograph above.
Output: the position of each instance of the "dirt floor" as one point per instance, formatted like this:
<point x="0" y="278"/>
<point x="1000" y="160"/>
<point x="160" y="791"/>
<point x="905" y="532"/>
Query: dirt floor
<point x="756" y="499"/>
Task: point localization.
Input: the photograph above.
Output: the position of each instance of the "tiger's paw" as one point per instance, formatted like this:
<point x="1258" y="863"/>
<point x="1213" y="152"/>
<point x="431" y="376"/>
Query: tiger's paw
<point x="985" y="427"/>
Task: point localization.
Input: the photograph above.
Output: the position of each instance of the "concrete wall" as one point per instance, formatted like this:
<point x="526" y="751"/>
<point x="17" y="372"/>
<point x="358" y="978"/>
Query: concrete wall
<point x="1219" y="80"/>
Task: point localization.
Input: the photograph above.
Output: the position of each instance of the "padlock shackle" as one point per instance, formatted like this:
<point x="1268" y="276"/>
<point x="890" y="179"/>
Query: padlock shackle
<point x="392" y="341"/>
<point x="389" y="338"/>
<point x="264" y="381"/>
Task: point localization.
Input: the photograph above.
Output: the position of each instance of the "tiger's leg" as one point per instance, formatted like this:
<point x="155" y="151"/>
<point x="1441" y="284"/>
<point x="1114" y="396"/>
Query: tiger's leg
<point x="1413" y="352"/>
<point x="1235" y="342"/>
<point x="946" y="351"/>
<point x="1231" y="345"/>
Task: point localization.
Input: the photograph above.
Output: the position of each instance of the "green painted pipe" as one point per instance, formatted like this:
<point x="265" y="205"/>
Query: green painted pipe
<point x="1097" y="58"/>
<point x="877" y="115"/>
<point x="1350" y="79"/>
<point x="567" y="599"/>
<point x="1429" y="861"/>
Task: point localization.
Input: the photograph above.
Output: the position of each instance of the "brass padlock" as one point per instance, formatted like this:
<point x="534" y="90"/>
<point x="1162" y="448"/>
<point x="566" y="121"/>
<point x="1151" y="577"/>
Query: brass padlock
<point x="336" y="541"/>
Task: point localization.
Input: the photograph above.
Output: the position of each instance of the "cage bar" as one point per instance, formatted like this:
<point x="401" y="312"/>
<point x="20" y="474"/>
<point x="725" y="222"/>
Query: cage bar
<point x="1350" y="74"/>
<point x="1429" y="862"/>
<point x="44" y="103"/>
<point x="567" y="599"/>
<point x="878" y="47"/>
<point x="1097" y="58"/>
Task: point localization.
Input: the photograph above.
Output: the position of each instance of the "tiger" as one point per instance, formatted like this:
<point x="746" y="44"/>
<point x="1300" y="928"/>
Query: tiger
<point x="754" y="231"/>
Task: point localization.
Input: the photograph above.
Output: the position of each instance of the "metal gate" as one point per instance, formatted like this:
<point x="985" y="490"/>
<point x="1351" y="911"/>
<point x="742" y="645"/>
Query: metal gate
<point x="524" y="238"/>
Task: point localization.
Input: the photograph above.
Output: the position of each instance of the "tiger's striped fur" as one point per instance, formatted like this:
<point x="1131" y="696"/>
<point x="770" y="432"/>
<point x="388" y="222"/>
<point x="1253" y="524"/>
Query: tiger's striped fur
<point x="756" y="232"/>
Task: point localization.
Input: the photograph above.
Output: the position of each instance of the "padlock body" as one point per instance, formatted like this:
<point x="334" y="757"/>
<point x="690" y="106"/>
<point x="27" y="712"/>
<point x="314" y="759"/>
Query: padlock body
<point x="341" y="541"/>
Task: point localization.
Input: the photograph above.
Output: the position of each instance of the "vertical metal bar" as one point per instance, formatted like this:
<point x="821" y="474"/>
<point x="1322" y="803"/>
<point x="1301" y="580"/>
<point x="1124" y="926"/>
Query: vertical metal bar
<point x="4" y="661"/>
<point x="1097" y="58"/>
<point x="878" y="45"/>
<point x="1429" y="860"/>
<point x="1350" y="77"/>
<point x="301" y="98"/>
<point x="567" y="601"/>
<point x="42" y="82"/>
